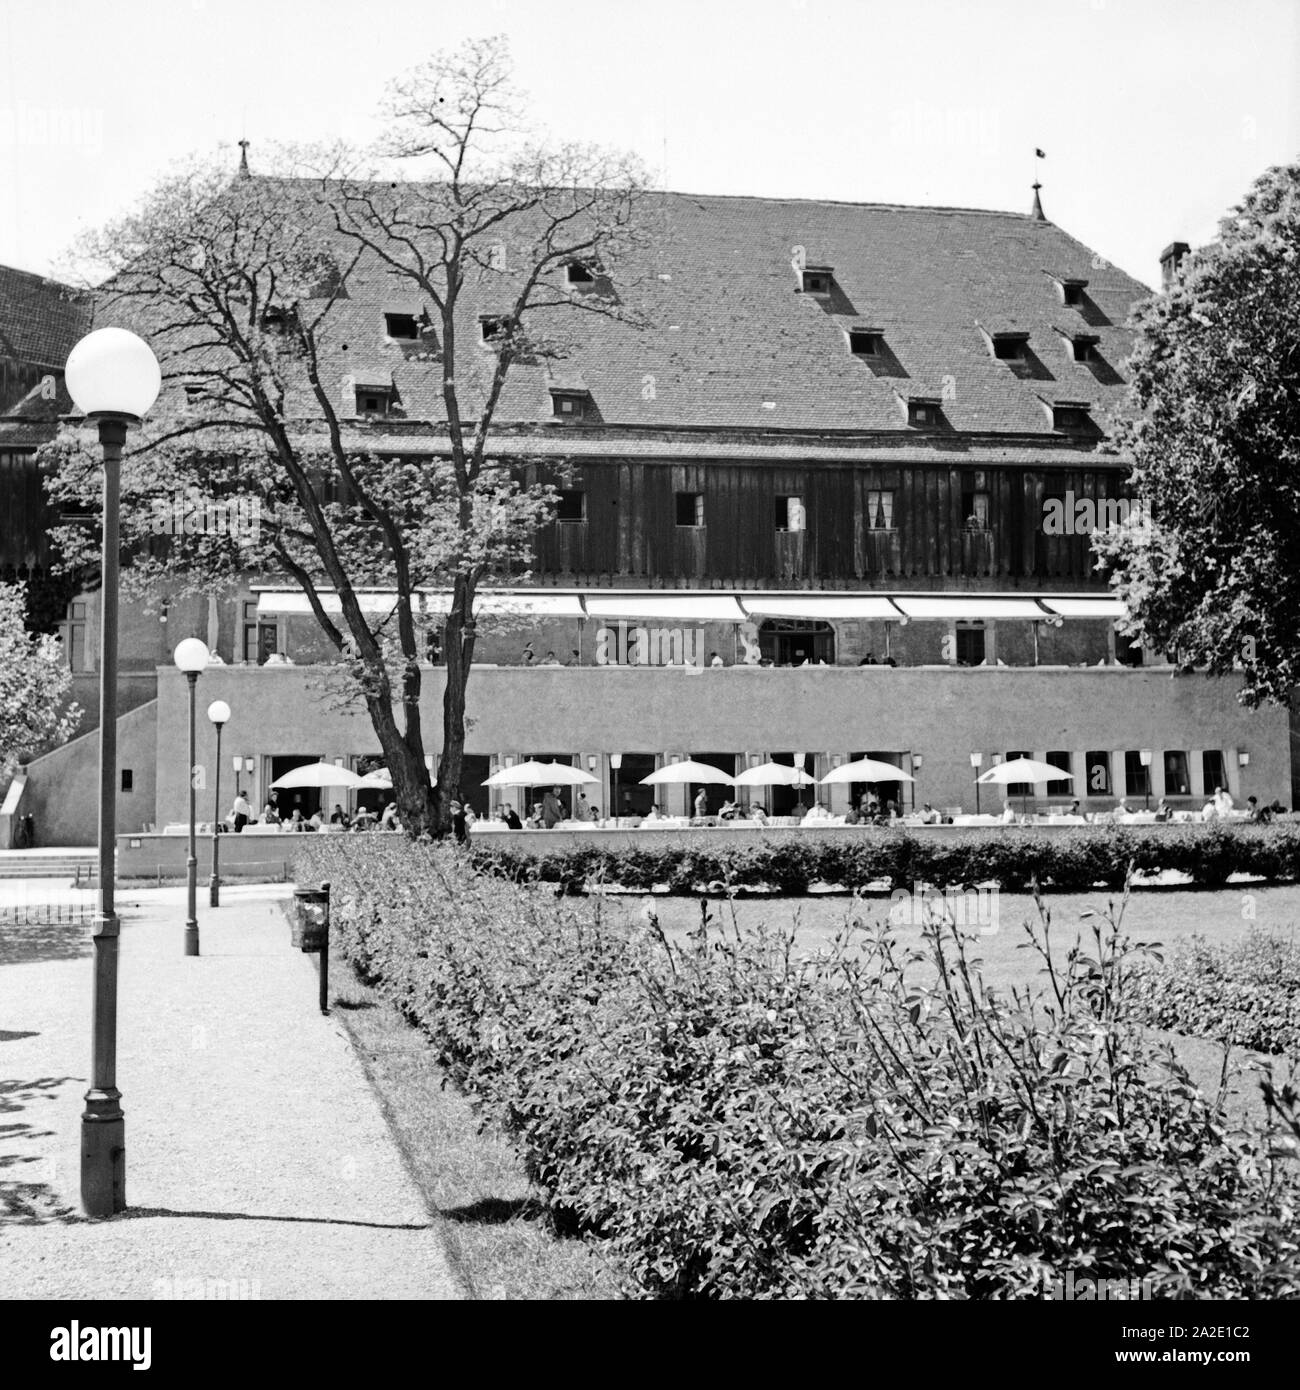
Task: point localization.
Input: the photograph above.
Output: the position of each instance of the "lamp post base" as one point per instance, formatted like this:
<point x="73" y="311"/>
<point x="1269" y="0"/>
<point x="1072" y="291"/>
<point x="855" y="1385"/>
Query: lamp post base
<point x="191" y="938"/>
<point x="103" y="1153"/>
<point x="214" y="893"/>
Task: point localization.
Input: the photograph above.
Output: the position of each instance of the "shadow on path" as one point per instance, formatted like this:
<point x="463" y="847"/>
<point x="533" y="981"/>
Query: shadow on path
<point x="138" y="1212"/>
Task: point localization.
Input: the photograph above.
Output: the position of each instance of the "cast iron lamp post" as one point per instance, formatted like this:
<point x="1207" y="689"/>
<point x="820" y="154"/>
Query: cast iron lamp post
<point x="114" y="379"/>
<point x="976" y="762"/>
<point x="1144" y="756"/>
<point x="616" y="762"/>
<point x="218" y="713"/>
<point x="191" y="656"/>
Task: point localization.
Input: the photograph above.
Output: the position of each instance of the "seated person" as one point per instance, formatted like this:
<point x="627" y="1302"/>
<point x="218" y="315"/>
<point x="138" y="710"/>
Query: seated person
<point x="535" y="819"/>
<point x="1121" y="814"/>
<point x="388" y="821"/>
<point x="816" y="813"/>
<point x="929" y="816"/>
<point x="338" y="816"/>
<point x="1008" y="814"/>
<point x="315" y="820"/>
<point x="593" y="813"/>
<point x="270" y="816"/>
<point x="297" y="822"/>
<point x="758" y="813"/>
<point x="869" y="660"/>
<point x="1223" y="802"/>
<point x="728" y="811"/>
<point x="511" y="817"/>
<point x="1259" y="815"/>
<point x="1210" y="811"/>
<point x="652" y="815"/>
<point x="363" y="819"/>
<point x="1164" y="811"/>
<point x="852" y="817"/>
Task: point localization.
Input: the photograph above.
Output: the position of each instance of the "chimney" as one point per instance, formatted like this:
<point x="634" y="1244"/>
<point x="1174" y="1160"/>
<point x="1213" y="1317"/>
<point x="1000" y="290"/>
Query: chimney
<point x="1170" y="259"/>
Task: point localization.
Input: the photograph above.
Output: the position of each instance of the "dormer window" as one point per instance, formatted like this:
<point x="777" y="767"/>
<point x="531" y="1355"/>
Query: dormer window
<point x="923" y="412"/>
<point x="492" y="327"/>
<point x="373" y="402"/>
<point x="1072" y="293"/>
<point x="1010" y="347"/>
<point x="568" y="405"/>
<point x="1069" y="416"/>
<point x="575" y="273"/>
<point x="865" y="342"/>
<point x="276" y="318"/>
<point x="1083" y="350"/>
<point x="818" y="279"/>
<point x="193" y="392"/>
<point x="402" y="328"/>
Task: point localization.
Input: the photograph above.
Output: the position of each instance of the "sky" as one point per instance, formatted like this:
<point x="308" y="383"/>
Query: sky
<point x="1155" y="116"/>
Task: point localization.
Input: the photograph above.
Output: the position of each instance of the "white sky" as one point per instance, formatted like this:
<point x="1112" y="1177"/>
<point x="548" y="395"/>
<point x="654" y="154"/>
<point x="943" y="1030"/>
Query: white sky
<point x="1156" y="115"/>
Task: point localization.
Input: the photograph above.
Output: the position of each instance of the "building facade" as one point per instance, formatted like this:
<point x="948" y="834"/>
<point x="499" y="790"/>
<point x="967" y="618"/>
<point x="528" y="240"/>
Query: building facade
<point x="837" y="499"/>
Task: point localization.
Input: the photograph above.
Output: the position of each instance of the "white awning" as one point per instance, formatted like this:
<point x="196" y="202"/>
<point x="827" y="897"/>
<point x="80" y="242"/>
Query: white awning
<point x="1086" y="607"/>
<point x="819" y="606"/>
<point x="291" y="604"/>
<point x="690" y="608"/>
<point x="970" y="607"/>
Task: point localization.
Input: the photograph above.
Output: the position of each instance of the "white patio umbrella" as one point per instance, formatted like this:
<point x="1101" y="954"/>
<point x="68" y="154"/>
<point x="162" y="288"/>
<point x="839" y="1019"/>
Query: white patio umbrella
<point x="1022" y="770"/>
<point x="535" y="774"/>
<point x="378" y="777"/>
<point x="320" y="774"/>
<point x="867" y="770"/>
<point x="687" y="771"/>
<point x="774" y="775"/>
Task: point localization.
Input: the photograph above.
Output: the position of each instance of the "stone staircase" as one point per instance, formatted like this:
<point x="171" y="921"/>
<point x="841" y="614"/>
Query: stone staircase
<point x="49" y="863"/>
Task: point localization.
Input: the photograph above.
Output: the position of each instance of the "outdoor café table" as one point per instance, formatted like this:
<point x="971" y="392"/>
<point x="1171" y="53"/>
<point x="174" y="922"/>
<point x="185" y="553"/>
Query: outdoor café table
<point x="978" y="820"/>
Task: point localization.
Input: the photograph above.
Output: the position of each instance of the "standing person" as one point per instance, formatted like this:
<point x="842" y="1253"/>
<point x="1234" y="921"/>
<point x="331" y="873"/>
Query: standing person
<point x="552" y="810"/>
<point x="458" y="826"/>
<point x="582" y="810"/>
<point x="241" y="811"/>
<point x="701" y="803"/>
<point x="1222" y="802"/>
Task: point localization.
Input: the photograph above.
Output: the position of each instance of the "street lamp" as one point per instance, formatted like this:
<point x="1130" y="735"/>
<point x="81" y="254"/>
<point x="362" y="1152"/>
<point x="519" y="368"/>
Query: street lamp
<point x="976" y="762"/>
<point x="918" y="762"/>
<point x="218" y="713"/>
<point x="1144" y="756"/>
<point x="616" y="762"/>
<point x="191" y="657"/>
<point x="114" y="379"/>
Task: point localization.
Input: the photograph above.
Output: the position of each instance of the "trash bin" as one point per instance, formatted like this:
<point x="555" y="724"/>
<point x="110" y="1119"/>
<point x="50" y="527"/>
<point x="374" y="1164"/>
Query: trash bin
<point x="310" y="928"/>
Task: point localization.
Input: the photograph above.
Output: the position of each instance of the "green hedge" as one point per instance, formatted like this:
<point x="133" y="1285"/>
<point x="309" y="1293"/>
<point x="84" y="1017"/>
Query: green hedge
<point x="1073" y="860"/>
<point x="1246" y="993"/>
<point x="745" y="1123"/>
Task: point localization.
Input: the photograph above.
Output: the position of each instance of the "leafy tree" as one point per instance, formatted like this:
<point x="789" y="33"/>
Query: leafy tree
<point x="242" y="287"/>
<point x="1214" y="571"/>
<point x="34" y="685"/>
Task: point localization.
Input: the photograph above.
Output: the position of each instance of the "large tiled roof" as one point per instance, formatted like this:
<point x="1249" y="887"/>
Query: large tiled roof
<point x="40" y="319"/>
<point x="733" y="344"/>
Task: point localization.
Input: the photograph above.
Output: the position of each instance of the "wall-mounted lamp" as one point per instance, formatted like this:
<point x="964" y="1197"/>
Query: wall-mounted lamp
<point x="1243" y="759"/>
<point x="591" y="762"/>
<point x="918" y="761"/>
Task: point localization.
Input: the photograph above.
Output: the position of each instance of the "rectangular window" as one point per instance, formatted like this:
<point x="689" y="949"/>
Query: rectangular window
<point x="1127" y="651"/>
<point x="1178" y="781"/>
<point x="922" y="413"/>
<point x="261" y="639"/>
<point x="789" y="514"/>
<point x="74" y="637"/>
<point x="1214" y="770"/>
<point x="401" y="327"/>
<point x="974" y="509"/>
<point x="970" y="644"/>
<point x="880" y="511"/>
<point x="568" y="406"/>
<point x="1072" y="295"/>
<point x="1060" y="759"/>
<point x="864" y="344"/>
<point x="1097" y="773"/>
<point x="572" y="505"/>
<point x="1137" y="777"/>
<point x="1083" y="350"/>
<point x="690" y="509"/>
<point x="1009" y="349"/>
<point x="128" y="779"/>
<point x="816" y="282"/>
<point x="1070" y="417"/>
<point x="492" y="326"/>
<point x="577" y="274"/>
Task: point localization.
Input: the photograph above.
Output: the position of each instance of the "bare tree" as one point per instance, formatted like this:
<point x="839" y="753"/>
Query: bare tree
<point x="242" y="287"/>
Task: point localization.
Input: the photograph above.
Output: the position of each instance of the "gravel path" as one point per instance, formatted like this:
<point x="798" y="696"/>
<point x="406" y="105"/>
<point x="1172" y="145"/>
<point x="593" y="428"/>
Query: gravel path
<point x="258" y="1162"/>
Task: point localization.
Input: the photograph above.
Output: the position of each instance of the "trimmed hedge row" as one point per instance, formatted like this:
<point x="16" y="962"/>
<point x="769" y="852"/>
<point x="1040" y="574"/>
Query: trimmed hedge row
<point x="1070" y="861"/>
<point x="744" y="1123"/>
<point x="1246" y="993"/>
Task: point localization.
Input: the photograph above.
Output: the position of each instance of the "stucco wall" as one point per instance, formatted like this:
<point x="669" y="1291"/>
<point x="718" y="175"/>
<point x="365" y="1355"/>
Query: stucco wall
<point x="62" y="793"/>
<point x="943" y="713"/>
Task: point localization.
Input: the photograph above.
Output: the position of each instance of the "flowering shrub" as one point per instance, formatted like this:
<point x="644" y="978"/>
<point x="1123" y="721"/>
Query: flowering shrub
<point x="1246" y="993"/>
<point x="870" y="1122"/>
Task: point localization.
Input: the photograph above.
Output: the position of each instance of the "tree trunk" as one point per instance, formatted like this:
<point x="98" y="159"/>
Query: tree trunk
<point x="411" y="787"/>
<point x="459" y="654"/>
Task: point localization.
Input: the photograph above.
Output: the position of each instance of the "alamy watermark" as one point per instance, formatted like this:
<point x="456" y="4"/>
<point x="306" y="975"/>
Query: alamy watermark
<point x="189" y="513"/>
<point x="1087" y="1289"/>
<point x="962" y="907"/>
<point x="1083" y="516"/>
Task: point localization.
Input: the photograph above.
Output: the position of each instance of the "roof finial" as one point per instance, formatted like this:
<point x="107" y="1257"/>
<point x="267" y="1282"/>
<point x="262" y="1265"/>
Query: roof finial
<point x="243" y="160"/>
<point x="1036" y="212"/>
